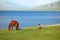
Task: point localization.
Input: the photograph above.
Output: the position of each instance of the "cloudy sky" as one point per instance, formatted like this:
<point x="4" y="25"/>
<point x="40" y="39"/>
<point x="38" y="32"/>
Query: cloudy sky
<point x="23" y="3"/>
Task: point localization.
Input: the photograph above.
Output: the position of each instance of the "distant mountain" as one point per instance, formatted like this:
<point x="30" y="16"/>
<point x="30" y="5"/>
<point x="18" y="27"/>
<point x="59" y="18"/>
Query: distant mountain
<point x="52" y="5"/>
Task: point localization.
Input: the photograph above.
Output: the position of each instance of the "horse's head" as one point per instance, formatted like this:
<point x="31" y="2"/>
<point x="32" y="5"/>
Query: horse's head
<point x="9" y="28"/>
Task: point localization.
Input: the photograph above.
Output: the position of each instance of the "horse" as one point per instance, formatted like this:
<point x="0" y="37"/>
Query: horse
<point x="12" y="24"/>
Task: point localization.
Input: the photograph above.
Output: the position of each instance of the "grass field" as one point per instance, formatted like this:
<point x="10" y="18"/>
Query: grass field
<point x="48" y="33"/>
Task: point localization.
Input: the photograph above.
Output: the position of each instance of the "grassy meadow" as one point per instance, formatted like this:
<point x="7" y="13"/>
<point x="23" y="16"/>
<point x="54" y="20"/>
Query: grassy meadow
<point x="33" y="33"/>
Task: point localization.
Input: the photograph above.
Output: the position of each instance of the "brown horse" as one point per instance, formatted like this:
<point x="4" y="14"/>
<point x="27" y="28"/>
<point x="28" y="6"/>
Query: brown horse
<point x="12" y="24"/>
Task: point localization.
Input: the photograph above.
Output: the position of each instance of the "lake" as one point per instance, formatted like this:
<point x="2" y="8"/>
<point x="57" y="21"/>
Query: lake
<point x="29" y="18"/>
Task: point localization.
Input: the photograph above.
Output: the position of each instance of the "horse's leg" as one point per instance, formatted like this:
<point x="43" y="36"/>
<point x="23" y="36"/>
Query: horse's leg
<point x="16" y="28"/>
<point x="12" y="27"/>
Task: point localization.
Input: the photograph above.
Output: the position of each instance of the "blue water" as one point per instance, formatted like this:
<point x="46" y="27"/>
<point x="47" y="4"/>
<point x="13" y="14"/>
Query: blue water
<point x="29" y="18"/>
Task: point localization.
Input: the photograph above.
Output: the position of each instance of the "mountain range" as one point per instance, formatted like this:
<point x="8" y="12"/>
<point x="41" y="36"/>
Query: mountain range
<point x="53" y="5"/>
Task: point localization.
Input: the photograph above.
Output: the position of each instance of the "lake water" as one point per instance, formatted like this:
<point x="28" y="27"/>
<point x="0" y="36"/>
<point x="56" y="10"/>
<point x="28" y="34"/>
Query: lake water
<point x="29" y="18"/>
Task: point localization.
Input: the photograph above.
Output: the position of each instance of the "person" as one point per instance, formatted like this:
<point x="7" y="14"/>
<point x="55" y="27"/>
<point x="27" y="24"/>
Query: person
<point x="40" y="26"/>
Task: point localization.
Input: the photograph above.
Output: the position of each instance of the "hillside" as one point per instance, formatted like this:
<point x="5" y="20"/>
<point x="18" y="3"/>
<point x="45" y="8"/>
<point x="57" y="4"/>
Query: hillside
<point x="49" y="6"/>
<point x="48" y="33"/>
<point x="52" y="5"/>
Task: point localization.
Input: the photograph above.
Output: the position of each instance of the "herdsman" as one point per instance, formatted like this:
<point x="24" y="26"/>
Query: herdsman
<point x="40" y="26"/>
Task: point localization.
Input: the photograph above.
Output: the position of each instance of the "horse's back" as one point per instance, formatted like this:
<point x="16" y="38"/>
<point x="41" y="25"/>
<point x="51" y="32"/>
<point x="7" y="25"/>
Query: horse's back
<point x="14" y="23"/>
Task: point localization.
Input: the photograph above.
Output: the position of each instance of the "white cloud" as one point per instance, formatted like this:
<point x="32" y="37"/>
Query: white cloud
<point x="24" y="3"/>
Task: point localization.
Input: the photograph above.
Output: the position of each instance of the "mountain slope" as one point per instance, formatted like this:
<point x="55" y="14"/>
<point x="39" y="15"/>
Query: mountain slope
<point x="53" y="4"/>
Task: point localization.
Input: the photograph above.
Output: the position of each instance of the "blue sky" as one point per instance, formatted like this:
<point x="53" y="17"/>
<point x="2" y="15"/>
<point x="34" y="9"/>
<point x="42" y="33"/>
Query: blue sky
<point x="23" y="3"/>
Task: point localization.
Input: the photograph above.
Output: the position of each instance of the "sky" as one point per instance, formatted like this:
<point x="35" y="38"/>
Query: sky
<point x="23" y="3"/>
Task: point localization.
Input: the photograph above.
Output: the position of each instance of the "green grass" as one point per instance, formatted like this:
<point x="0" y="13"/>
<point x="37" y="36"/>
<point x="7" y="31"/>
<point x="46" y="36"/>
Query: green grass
<point x="48" y="33"/>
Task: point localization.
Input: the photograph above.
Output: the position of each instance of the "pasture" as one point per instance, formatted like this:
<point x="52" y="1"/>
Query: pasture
<point x="33" y="33"/>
